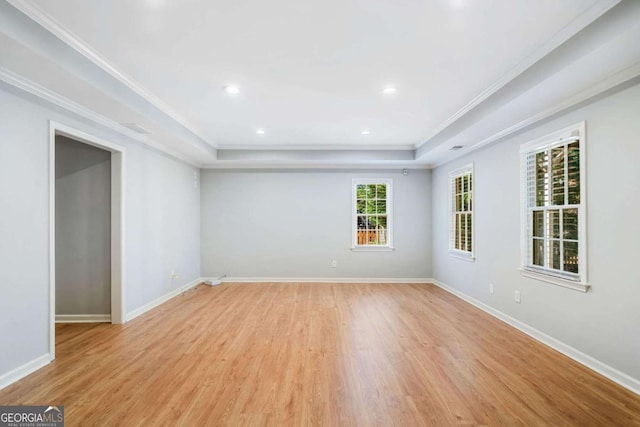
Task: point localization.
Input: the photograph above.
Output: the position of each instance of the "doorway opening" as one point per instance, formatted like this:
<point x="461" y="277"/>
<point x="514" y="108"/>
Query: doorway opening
<point x="86" y="229"/>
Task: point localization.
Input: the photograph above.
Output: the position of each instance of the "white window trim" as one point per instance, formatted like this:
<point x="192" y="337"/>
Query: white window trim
<point x="354" y="216"/>
<point x="456" y="253"/>
<point x="578" y="131"/>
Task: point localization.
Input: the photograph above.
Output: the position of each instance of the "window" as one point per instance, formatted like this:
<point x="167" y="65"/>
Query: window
<point x="461" y="212"/>
<point x="372" y="214"/>
<point x="554" y="233"/>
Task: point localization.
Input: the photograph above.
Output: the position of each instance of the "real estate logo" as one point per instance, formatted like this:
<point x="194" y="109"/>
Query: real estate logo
<point x="32" y="416"/>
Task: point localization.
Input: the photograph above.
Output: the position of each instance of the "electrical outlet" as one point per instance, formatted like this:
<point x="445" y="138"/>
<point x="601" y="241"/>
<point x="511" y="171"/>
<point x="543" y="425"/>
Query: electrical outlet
<point x="491" y="288"/>
<point x="517" y="296"/>
<point x="173" y="274"/>
<point x="334" y="263"/>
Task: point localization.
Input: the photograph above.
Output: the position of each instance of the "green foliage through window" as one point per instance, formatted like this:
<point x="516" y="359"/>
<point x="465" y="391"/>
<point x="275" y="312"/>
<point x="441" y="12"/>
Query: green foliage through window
<point x="372" y="214"/>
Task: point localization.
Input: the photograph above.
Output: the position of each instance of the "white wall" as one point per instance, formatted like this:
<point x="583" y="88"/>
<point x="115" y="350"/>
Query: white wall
<point x="162" y="223"/>
<point x="294" y="223"/>
<point x="83" y="228"/>
<point x="603" y="323"/>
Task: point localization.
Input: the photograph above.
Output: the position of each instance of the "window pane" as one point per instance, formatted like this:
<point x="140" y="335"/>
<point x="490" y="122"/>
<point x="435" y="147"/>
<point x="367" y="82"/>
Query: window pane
<point x="538" y="252"/>
<point x="470" y="207"/>
<point x="555" y="254"/>
<point x="371" y="214"/>
<point x="371" y="191"/>
<point x="373" y="237"/>
<point x="383" y="234"/>
<point x="470" y="182"/>
<point x="382" y="222"/>
<point x="554" y="224"/>
<point x="557" y="176"/>
<point x="571" y="257"/>
<point x="541" y="178"/>
<point x="463" y="232"/>
<point x="364" y="237"/>
<point x="372" y="222"/>
<point x="538" y="223"/>
<point x="465" y="183"/>
<point x="468" y="233"/>
<point x="570" y="223"/>
<point x="370" y="206"/>
<point x="458" y="186"/>
<point x="573" y="169"/>
<point x="362" y="222"/>
<point x="465" y="202"/>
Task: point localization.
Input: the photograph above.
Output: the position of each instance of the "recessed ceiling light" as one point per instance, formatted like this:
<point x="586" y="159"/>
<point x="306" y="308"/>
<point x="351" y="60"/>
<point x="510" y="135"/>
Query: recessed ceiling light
<point x="365" y="132"/>
<point x="260" y="131"/>
<point x="389" y="90"/>
<point x="232" y="90"/>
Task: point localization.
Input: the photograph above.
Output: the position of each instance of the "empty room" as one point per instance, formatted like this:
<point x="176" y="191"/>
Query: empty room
<point x="332" y="213"/>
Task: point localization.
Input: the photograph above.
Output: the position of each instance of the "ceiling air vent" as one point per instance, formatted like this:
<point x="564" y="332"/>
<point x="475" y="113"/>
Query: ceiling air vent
<point x="456" y="147"/>
<point x="136" y="128"/>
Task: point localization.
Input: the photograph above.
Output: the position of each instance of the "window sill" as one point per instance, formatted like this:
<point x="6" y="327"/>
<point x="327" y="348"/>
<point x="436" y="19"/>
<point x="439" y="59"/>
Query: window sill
<point x="372" y="249"/>
<point x="576" y="286"/>
<point x="465" y="256"/>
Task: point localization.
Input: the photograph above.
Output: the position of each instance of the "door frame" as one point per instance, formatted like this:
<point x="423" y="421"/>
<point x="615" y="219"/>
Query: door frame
<point x="117" y="222"/>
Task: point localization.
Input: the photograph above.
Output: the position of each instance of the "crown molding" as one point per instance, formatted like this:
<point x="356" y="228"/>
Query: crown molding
<point x="318" y="164"/>
<point x="47" y="95"/>
<point x="610" y="82"/>
<point x="39" y="16"/>
<point x="317" y="147"/>
<point x="586" y="18"/>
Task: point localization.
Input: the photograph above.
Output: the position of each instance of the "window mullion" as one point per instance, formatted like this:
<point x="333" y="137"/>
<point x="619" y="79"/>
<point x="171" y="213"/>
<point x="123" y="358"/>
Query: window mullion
<point x="548" y="179"/>
<point x="562" y="239"/>
<point x="548" y="262"/>
<point x="566" y="174"/>
<point x="545" y="238"/>
<point x="566" y="202"/>
<point x="530" y="236"/>
<point x="459" y="232"/>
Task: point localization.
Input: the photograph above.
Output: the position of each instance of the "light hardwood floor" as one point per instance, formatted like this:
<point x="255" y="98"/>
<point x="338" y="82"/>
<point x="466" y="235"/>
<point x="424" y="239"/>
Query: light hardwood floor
<point x="318" y="354"/>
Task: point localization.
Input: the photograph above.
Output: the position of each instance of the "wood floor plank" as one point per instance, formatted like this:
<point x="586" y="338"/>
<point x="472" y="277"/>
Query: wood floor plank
<point x="318" y="354"/>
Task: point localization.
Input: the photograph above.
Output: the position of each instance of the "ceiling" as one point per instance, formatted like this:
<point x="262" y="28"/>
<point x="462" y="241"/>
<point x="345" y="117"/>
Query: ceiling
<point x="312" y="74"/>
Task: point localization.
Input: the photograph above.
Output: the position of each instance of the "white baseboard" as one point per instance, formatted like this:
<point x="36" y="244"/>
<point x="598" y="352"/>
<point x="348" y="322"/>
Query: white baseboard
<point x="24" y="370"/>
<point x="613" y="374"/>
<point x="321" y="280"/>
<point x="164" y="298"/>
<point x="83" y="318"/>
